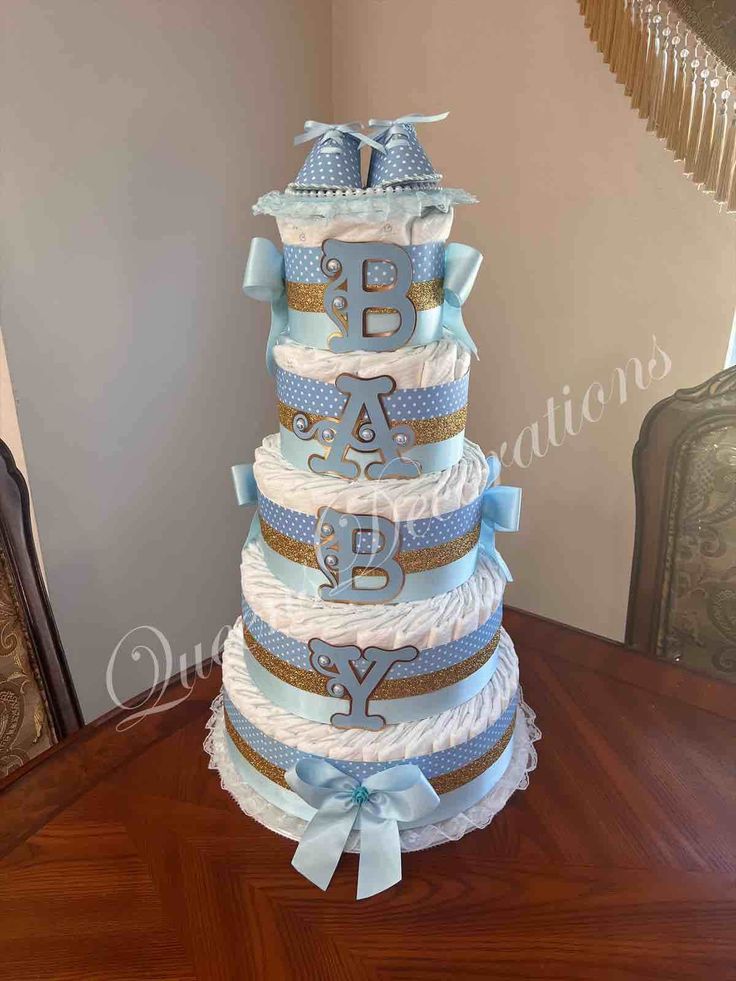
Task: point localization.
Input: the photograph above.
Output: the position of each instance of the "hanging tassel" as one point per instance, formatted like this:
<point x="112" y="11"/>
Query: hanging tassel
<point x="650" y="67"/>
<point x="620" y="37"/>
<point x="597" y="22"/>
<point x="640" y="59"/>
<point x="629" y="34"/>
<point x="710" y="96"/>
<point x="728" y="159"/>
<point x="637" y="27"/>
<point x="666" y="86"/>
<point x="720" y="128"/>
<point x="606" y="33"/>
<point x="686" y="111"/>
<point x="669" y="87"/>
<point x="731" y="200"/>
<point x="696" y="123"/>
<point x="593" y="19"/>
<point x="682" y="86"/>
<point x="656" y="63"/>
<point x="585" y="6"/>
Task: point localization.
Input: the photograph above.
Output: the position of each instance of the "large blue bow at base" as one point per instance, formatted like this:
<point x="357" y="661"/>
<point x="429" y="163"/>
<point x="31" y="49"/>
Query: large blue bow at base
<point x="374" y="808"/>
<point x="500" y="511"/>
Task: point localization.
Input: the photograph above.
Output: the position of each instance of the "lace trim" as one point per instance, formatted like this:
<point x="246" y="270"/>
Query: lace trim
<point x="480" y="815"/>
<point x="369" y="203"/>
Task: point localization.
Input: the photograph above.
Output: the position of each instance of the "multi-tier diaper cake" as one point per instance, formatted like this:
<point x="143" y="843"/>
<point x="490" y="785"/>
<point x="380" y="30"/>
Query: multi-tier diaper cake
<point x="371" y="698"/>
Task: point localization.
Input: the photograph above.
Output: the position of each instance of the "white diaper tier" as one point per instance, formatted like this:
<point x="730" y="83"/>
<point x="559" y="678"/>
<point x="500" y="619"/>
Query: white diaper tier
<point x="423" y="624"/>
<point x="395" y="742"/>
<point x="410" y="367"/>
<point x="425" y="496"/>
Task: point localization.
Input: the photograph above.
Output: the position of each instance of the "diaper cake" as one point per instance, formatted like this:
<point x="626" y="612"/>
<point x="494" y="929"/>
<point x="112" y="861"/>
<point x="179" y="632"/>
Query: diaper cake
<point x="371" y="698"/>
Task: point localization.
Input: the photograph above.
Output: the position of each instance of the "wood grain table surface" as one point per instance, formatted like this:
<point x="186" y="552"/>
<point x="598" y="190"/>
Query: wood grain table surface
<point x="122" y="858"/>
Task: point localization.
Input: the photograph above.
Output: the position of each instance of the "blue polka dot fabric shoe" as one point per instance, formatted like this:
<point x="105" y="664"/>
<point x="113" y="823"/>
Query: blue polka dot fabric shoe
<point x="404" y="164"/>
<point x="333" y="163"/>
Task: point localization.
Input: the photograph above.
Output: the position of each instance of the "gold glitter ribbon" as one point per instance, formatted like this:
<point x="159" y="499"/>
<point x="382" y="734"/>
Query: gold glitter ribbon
<point x="414" y="560"/>
<point x="309" y="297"/>
<point x="389" y="688"/>
<point x="443" y="784"/>
<point x="425" y="430"/>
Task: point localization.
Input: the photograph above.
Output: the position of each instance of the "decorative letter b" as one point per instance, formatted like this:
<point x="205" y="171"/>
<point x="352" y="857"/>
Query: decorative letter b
<point x="348" y="299"/>
<point x="355" y="551"/>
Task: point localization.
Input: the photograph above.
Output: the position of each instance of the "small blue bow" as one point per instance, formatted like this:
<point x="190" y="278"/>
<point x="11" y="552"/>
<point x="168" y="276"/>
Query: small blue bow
<point x="462" y="263"/>
<point x="246" y="492"/>
<point x="374" y="807"/>
<point x="500" y="511"/>
<point x="264" y="280"/>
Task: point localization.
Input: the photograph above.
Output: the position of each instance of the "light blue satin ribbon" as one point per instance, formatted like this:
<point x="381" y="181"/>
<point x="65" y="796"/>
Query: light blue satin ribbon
<point x="264" y="280"/>
<point x="321" y="708"/>
<point x="451" y="803"/>
<point x="246" y="492"/>
<point x="374" y="807"/>
<point x="461" y="269"/>
<point x="417" y="585"/>
<point x="500" y="511"/>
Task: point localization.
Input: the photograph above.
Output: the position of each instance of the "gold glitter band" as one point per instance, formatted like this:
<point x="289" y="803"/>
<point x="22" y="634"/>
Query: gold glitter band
<point x="425" y="430"/>
<point x="451" y="781"/>
<point x="442" y="784"/>
<point x="389" y="688"/>
<point x="309" y="297"/>
<point x="414" y="560"/>
<point x="270" y="770"/>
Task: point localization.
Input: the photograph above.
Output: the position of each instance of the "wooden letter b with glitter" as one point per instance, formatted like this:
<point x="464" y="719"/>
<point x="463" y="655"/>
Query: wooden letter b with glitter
<point x="356" y="551"/>
<point x="348" y="298"/>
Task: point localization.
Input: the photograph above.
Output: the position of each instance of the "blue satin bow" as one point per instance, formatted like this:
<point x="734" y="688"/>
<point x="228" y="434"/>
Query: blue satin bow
<point x="462" y="263"/>
<point x="374" y="807"/>
<point x="500" y="511"/>
<point x="264" y="280"/>
<point x="246" y="492"/>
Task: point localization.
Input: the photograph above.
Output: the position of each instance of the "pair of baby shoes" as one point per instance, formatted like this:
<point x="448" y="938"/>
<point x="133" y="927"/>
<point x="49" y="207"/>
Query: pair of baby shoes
<point x="398" y="159"/>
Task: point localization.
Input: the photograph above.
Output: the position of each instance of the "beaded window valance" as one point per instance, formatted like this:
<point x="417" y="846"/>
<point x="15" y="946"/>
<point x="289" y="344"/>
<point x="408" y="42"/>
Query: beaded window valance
<point x="677" y="63"/>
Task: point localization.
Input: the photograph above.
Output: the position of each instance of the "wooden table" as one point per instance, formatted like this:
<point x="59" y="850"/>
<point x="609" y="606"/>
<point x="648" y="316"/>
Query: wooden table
<point x="124" y="859"/>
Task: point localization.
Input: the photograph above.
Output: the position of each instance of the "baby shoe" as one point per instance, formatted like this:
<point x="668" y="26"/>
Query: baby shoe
<point x="404" y="161"/>
<point x="333" y="163"/>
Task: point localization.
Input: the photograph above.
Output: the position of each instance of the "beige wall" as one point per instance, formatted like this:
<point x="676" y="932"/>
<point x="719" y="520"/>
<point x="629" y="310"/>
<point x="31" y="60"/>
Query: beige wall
<point x="136" y="136"/>
<point x="593" y="242"/>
